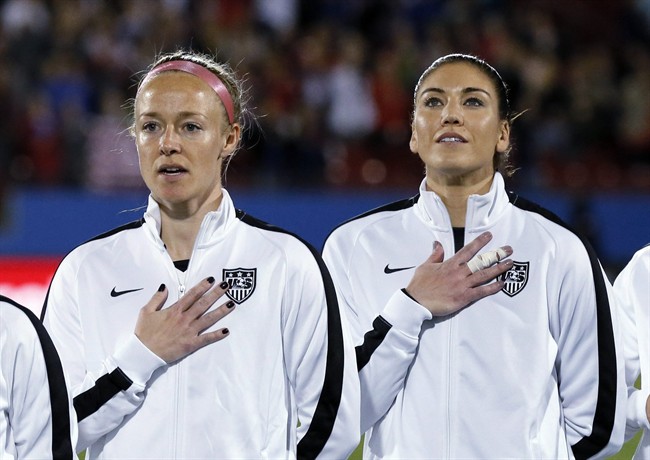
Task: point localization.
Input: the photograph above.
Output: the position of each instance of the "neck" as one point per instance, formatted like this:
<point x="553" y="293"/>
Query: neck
<point x="179" y="236"/>
<point x="454" y="193"/>
<point x="180" y="227"/>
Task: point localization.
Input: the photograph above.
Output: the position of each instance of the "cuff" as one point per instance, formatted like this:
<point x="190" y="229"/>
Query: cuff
<point x="636" y="413"/>
<point x="137" y="361"/>
<point x="405" y="314"/>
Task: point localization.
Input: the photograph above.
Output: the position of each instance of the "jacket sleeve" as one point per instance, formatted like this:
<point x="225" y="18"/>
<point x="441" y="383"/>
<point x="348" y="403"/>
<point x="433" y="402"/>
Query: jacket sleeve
<point x="41" y="420"/>
<point x="103" y="394"/>
<point x="386" y="336"/>
<point x="320" y="360"/>
<point x="632" y="293"/>
<point x="589" y="364"/>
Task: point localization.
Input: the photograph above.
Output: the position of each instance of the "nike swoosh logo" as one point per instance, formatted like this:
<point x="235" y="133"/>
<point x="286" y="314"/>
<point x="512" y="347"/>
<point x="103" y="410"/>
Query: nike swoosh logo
<point x="389" y="270"/>
<point x="115" y="293"/>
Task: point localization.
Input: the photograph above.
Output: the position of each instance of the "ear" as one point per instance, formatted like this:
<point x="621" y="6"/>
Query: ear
<point x="413" y="142"/>
<point x="503" y="142"/>
<point x="231" y="140"/>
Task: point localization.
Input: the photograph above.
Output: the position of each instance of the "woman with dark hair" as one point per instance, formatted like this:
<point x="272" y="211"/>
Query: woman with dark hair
<point x="531" y="368"/>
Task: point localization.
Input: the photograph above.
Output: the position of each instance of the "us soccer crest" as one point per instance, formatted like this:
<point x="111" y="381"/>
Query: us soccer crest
<point x="241" y="281"/>
<point x="515" y="278"/>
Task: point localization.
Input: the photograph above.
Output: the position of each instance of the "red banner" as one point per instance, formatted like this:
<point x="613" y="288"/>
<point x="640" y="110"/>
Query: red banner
<point x="26" y="279"/>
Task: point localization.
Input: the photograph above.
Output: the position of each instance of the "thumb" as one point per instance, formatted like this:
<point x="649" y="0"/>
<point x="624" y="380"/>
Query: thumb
<point x="157" y="300"/>
<point x="438" y="254"/>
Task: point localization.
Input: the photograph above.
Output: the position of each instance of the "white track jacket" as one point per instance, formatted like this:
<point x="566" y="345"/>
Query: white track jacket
<point x="283" y="384"/>
<point x="632" y="289"/>
<point x="36" y="415"/>
<point x="532" y="372"/>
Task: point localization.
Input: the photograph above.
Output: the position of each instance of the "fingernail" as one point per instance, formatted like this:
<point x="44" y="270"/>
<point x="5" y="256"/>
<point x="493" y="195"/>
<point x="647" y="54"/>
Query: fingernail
<point x="436" y="245"/>
<point x="224" y="285"/>
<point x="225" y="331"/>
<point x="230" y="304"/>
<point x="487" y="235"/>
<point x="211" y="279"/>
<point x="161" y="287"/>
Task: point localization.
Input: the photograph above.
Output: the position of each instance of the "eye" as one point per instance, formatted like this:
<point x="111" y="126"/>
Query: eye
<point x="149" y="126"/>
<point x="432" y="101"/>
<point x="192" y="127"/>
<point x="474" y="102"/>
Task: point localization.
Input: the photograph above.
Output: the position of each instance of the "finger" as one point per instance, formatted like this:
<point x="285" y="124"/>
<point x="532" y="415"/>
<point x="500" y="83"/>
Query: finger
<point x="472" y="248"/>
<point x="157" y="300"/>
<point x="487" y="274"/>
<point x="489" y="258"/>
<point x="208" y="299"/>
<point x="211" y="318"/>
<point x="194" y="294"/>
<point x="212" y="337"/>
<point x="485" y="290"/>
<point x="438" y="254"/>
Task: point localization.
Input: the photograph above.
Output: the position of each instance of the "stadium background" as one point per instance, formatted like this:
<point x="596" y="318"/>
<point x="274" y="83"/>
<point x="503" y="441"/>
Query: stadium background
<point x="330" y="84"/>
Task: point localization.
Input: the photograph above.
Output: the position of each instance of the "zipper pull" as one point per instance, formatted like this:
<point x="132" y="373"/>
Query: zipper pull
<point x="181" y="290"/>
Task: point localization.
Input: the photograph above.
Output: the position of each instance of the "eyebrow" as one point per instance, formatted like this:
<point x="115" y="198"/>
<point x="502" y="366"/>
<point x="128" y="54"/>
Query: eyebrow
<point x="180" y="115"/>
<point x="469" y="89"/>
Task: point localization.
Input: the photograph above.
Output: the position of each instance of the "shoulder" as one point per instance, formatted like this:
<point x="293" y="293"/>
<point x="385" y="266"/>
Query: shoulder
<point x="122" y="229"/>
<point x="103" y="240"/>
<point x="570" y="249"/>
<point x="352" y="228"/>
<point x="638" y="267"/>
<point x="642" y="256"/>
<point x="289" y="244"/>
<point x="19" y="324"/>
<point x="548" y="222"/>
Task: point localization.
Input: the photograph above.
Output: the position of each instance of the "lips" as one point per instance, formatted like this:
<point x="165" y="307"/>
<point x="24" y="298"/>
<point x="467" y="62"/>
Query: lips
<point x="451" y="138"/>
<point x="171" y="170"/>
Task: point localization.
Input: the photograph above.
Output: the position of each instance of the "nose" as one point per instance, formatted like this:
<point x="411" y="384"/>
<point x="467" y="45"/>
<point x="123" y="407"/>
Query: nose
<point x="451" y="114"/>
<point x="169" y="143"/>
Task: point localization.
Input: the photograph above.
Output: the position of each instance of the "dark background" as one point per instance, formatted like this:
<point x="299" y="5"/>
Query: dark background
<point x="330" y="86"/>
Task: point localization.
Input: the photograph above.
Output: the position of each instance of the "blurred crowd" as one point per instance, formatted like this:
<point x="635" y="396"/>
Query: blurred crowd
<point x="330" y="85"/>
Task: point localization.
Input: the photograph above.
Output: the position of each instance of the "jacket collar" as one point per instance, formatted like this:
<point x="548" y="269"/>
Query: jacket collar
<point x="213" y="229"/>
<point x="482" y="210"/>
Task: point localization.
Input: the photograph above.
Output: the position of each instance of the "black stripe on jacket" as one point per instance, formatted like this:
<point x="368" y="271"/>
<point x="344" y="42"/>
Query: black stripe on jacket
<point x="61" y="442"/>
<point x="380" y="327"/>
<point x="108" y="385"/>
<point x="603" y="423"/>
<point x="371" y="341"/>
<point x="322" y="424"/>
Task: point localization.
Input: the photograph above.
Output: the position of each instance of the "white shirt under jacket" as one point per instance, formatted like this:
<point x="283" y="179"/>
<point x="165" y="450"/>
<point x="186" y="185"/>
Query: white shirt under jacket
<point x="283" y="384"/>
<point x="36" y="415"/>
<point x="632" y="289"/>
<point x="531" y="372"/>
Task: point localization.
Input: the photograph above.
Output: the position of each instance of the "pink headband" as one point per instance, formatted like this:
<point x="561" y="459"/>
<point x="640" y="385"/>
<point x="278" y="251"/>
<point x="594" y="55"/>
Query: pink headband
<point x="204" y="74"/>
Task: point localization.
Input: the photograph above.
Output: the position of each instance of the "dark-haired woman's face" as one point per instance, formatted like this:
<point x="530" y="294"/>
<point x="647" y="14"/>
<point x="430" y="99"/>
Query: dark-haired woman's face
<point x="456" y="126"/>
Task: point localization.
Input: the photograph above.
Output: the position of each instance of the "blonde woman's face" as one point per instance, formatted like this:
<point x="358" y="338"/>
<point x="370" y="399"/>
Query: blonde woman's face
<point x="456" y="127"/>
<point x="181" y="140"/>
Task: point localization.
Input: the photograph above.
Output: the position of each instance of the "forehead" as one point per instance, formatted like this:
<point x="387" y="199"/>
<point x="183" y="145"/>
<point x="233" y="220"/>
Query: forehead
<point x="175" y="89"/>
<point x="458" y="76"/>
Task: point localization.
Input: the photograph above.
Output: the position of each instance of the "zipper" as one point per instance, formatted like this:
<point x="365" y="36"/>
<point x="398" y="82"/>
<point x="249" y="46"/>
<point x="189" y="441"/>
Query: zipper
<point x="178" y="366"/>
<point x="450" y="348"/>
<point x="452" y="321"/>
